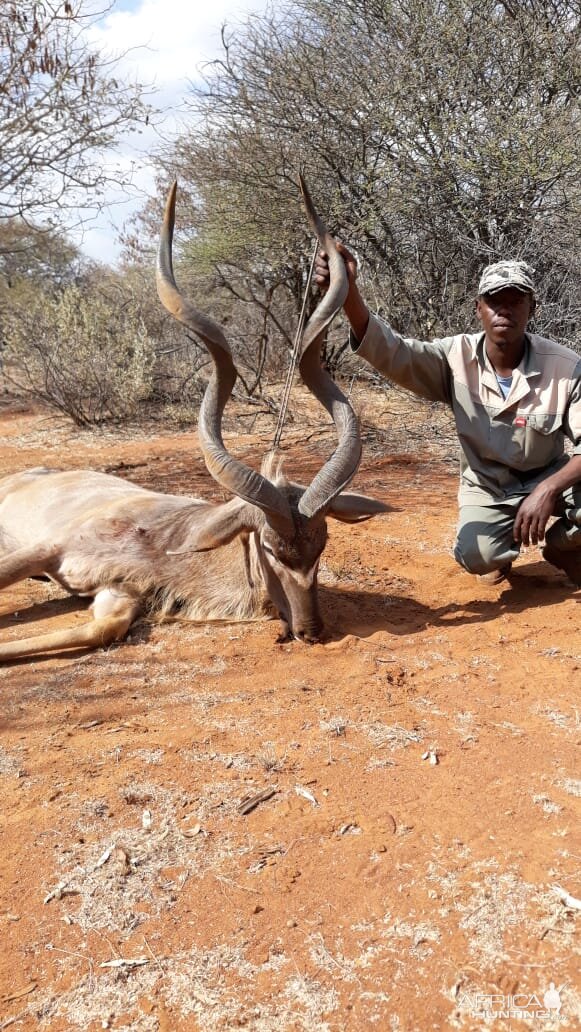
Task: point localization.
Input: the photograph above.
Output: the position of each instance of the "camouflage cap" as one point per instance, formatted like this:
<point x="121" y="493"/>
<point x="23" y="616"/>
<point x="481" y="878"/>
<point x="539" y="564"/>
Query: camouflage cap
<point x="507" y="274"/>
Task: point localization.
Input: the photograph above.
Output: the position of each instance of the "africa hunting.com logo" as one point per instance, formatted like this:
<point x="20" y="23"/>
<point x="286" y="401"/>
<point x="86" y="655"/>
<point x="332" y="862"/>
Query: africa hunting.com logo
<point x="523" y="1006"/>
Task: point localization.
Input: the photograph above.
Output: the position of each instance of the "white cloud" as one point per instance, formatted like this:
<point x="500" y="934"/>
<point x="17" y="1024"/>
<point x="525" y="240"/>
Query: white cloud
<point x="162" y="44"/>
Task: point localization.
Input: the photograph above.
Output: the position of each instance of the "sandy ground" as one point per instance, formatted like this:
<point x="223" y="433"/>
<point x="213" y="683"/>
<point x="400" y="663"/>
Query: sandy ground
<point x="375" y="888"/>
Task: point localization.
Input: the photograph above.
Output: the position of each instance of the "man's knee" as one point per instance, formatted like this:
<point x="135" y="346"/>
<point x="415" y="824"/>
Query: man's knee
<point x="478" y="553"/>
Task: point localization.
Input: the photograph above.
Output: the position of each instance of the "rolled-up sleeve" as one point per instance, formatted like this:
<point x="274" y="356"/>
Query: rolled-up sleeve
<point x="420" y="366"/>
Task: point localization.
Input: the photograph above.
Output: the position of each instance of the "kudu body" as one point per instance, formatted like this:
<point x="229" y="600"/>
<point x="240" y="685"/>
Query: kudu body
<point x="135" y="550"/>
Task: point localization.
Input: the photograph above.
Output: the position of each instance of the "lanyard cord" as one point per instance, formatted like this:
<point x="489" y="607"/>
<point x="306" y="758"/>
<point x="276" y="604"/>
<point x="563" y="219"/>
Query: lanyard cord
<point x="294" y="357"/>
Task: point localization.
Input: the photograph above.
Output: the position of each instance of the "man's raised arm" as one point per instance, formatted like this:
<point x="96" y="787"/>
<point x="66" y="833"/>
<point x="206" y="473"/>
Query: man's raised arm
<point x="419" y="366"/>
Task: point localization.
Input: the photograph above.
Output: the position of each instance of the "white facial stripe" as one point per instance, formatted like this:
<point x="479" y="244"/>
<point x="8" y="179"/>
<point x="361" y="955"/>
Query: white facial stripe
<point x="304" y="580"/>
<point x="286" y="574"/>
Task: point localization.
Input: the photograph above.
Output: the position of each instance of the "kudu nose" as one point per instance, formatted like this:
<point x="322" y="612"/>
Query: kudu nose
<point x="307" y="639"/>
<point x="309" y="635"/>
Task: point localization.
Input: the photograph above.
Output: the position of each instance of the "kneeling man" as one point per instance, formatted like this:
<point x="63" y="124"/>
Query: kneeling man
<point x="515" y="396"/>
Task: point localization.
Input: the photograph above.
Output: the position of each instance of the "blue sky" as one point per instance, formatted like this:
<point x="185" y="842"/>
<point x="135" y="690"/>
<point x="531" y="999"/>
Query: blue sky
<point x="128" y="5"/>
<point x="163" y="43"/>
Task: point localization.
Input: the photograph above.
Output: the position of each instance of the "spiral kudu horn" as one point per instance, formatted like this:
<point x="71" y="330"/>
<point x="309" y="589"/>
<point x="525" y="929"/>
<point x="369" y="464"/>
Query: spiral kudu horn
<point x="342" y="466"/>
<point x="232" y="474"/>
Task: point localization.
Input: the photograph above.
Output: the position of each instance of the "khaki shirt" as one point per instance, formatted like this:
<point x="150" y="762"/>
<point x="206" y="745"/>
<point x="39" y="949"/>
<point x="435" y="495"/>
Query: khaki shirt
<point x="507" y="446"/>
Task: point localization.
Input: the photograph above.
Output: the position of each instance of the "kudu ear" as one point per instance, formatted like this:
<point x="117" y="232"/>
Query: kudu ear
<point x="355" y="508"/>
<point x="219" y="525"/>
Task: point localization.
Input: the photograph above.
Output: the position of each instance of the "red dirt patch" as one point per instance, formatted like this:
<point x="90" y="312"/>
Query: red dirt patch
<point x="374" y="888"/>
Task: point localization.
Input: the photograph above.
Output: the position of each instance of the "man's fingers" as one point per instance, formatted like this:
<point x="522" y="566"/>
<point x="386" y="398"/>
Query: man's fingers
<point x="542" y="521"/>
<point x="321" y="272"/>
<point x="538" y="526"/>
<point x="524" y="528"/>
<point x="532" y="518"/>
<point x="530" y="527"/>
<point x="322" y="266"/>
<point x="530" y="530"/>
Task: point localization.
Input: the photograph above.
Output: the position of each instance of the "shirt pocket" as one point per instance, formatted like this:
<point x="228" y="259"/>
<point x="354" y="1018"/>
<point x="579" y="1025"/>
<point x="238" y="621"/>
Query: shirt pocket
<point x="543" y="439"/>
<point x="548" y="423"/>
<point x="524" y="441"/>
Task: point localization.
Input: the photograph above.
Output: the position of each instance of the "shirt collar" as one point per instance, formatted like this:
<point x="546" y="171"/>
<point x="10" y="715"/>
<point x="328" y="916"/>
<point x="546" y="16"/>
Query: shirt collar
<point x="527" y="367"/>
<point x="529" y="364"/>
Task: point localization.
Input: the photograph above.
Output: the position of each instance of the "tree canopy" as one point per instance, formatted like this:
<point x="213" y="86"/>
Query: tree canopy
<point x="437" y="135"/>
<point x="62" y="105"/>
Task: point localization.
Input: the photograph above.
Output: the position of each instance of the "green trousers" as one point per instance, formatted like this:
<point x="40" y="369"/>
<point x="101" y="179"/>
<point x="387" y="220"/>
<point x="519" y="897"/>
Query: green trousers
<point x="484" y="541"/>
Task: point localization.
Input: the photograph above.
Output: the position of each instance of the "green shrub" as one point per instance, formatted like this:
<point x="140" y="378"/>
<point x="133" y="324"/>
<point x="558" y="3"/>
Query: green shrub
<point x="82" y="352"/>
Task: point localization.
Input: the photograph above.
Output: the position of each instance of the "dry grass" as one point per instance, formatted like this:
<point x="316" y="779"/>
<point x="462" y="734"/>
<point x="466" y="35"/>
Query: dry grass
<point x="394" y="736"/>
<point x="196" y="983"/>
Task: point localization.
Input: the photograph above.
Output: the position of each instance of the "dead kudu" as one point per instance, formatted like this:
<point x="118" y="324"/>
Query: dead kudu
<point x="137" y="551"/>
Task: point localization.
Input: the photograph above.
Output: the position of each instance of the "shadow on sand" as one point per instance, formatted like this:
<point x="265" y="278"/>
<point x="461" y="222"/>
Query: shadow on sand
<point x="363" y="613"/>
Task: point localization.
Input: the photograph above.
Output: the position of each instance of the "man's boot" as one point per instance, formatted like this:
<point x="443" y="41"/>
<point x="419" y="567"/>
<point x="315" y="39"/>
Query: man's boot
<point x="495" y="576"/>
<point x="569" y="562"/>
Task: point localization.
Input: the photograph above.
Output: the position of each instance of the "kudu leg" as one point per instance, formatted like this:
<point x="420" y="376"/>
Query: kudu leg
<point x="112" y="617"/>
<point x="23" y="563"/>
